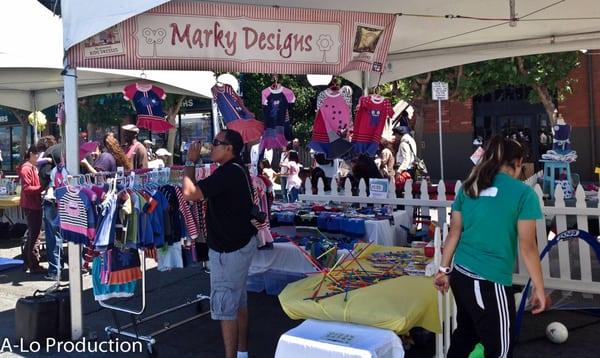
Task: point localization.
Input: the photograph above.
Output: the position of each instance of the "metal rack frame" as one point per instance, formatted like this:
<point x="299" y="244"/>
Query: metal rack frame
<point x="149" y="338"/>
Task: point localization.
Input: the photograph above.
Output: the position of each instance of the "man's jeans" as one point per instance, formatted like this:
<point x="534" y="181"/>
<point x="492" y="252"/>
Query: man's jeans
<point x="53" y="238"/>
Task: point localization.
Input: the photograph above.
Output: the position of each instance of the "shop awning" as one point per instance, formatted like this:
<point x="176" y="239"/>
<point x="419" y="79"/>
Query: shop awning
<point x="428" y="35"/>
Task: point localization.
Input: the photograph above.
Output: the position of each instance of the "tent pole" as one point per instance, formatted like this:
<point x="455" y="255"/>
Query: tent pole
<point x="366" y="79"/>
<point x="215" y="118"/>
<point x="35" y="125"/>
<point x="72" y="158"/>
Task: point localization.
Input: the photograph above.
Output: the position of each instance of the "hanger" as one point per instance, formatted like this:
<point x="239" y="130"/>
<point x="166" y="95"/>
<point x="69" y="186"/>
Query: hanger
<point x="376" y="95"/>
<point x="275" y="85"/>
<point x="143" y="79"/>
<point x="333" y="85"/>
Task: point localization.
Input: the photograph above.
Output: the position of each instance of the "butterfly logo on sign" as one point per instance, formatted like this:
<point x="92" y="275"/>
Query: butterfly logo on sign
<point x="154" y="37"/>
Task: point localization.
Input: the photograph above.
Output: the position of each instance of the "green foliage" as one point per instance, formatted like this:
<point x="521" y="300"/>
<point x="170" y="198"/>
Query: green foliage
<point x="547" y="70"/>
<point x="104" y="110"/>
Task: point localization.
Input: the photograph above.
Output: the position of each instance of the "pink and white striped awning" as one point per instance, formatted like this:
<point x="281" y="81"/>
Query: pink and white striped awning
<point x="244" y="38"/>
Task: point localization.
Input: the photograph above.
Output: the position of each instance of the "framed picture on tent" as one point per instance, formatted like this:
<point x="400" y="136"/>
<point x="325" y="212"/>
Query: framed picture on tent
<point x="106" y="43"/>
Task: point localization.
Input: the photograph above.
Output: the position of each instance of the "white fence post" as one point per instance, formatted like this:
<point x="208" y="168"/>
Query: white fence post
<point x="561" y="225"/>
<point x="585" y="264"/>
<point x="347" y="187"/>
<point x="424" y="196"/>
<point x="442" y="213"/>
<point x="408" y="194"/>
<point x="362" y="190"/>
<point x="542" y="237"/>
<point x="334" y="186"/>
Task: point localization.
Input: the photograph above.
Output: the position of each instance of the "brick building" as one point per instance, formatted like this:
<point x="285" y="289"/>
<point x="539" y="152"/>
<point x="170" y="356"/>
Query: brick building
<point x="508" y="111"/>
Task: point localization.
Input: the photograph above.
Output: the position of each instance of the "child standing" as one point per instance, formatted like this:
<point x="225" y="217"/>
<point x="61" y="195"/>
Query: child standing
<point x="293" y="180"/>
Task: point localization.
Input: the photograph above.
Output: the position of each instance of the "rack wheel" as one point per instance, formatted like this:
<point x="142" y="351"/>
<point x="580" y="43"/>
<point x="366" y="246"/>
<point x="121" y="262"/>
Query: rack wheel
<point x="151" y="350"/>
<point x="203" y="306"/>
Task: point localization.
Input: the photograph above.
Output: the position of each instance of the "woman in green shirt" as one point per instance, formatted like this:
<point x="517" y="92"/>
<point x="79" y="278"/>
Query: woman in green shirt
<point x="492" y="215"/>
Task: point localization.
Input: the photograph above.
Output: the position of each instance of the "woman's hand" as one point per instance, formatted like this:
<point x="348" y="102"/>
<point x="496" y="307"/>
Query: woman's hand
<point x="441" y="282"/>
<point x="539" y="301"/>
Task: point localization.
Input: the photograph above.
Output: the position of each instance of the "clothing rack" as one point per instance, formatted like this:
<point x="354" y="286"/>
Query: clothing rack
<point x="136" y="180"/>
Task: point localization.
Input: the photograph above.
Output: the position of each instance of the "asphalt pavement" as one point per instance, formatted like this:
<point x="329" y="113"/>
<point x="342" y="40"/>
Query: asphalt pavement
<point x="201" y="337"/>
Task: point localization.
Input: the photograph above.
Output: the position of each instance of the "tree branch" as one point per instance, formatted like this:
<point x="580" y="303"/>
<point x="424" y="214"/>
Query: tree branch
<point x="171" y="115"/>
<point x="458" y="76"/>
<point x="541" y="91"/>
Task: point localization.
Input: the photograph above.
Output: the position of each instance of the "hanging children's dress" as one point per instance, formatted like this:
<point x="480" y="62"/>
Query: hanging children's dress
<point x="235" y="115"/>
<point x="332" y="124"/>
<point x="147" y="100"/>
<point x="260" y="198"/>
<point x="371" y="116"/>
<point x="276" y="104"/>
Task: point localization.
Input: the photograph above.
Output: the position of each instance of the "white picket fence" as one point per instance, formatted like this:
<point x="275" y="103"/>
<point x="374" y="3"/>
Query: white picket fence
<point x="572" y="268"/>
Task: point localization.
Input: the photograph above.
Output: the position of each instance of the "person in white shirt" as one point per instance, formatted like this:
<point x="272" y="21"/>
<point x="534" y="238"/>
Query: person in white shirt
<point x="162" y="157"/>
<point x="407" y="151"/>
<point x="255" y="157"/>
<point x="293" y="182"/>
<point x="283" y="171"/>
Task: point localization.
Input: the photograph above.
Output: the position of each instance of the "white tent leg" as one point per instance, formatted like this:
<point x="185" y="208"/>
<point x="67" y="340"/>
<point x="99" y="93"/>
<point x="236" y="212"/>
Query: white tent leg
<point x="366" y="79"/>
<point x="215" y="116"/>
<point x="71" y="141"/>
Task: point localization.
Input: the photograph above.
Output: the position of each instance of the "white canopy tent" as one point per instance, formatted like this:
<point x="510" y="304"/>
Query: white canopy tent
<point x="36" y="88"/>
<point x="428" y="35"/>
<point x="31" y="63"/>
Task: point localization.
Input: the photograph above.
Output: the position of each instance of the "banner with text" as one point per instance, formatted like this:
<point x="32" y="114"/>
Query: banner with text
<point x="244" y="38"/>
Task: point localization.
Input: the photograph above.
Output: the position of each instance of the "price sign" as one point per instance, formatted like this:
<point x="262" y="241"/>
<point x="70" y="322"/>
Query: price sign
<point x="378" y="188"/>
<point x="439" y="91"/>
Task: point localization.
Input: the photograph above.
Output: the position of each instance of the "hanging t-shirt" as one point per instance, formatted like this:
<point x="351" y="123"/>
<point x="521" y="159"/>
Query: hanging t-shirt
<point x="76" y="212"/>
<point x="276" y="103"/>
<point x="104" y="291"/>
<point x="294" y="180"/>
<point x="147" y="100"/>
<point x="333" y="120"/>
<point x="106" y="228"/>
<point x="371" y="116"/>
<point x="235" y="114"/>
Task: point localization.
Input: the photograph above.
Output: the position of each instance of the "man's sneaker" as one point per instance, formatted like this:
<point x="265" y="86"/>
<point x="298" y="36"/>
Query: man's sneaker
<point x="51" y="277"/>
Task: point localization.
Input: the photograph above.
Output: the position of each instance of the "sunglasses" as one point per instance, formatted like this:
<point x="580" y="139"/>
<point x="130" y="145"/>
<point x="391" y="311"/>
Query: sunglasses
<point x="217" y="142"/>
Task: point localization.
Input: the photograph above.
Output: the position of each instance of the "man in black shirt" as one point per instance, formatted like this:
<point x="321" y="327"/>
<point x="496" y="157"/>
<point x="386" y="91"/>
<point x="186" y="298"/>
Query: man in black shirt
<point x="230" y="238"/>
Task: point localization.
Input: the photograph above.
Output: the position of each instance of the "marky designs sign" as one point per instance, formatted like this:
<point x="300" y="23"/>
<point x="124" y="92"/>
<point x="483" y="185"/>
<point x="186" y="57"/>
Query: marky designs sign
<point x="238" y="39"/>
<point x="206" y="36"/>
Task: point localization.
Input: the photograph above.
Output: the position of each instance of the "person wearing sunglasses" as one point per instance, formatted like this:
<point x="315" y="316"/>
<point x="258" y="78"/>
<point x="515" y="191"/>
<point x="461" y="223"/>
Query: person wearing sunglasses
<point x="231" y="235"/>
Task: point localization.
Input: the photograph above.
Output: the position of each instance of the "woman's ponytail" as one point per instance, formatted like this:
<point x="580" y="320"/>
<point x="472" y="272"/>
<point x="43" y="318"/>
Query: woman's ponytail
<point x="498" y="152"/>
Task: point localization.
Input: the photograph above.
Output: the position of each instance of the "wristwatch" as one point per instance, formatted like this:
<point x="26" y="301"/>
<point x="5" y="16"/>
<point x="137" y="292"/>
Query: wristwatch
<point x="189" y="163"/>
<point x="444" y="269"/>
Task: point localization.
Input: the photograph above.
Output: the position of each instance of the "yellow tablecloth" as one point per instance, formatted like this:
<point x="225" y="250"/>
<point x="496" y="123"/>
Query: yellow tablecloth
<point x="397" y="304"/>
<point x="9" y="201"/>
